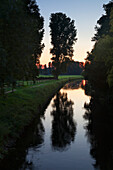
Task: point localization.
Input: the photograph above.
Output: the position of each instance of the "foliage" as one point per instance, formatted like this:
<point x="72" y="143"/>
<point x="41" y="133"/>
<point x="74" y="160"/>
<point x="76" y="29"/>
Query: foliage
<point x="17" y="110"/>
<point x="103" y="24"/>
<point x="99" y="132"/>
<point x="63" y="37"/>
<point x="21" y="33"/>
<point x="73" y="68"/>
<point x="99" y="62"/>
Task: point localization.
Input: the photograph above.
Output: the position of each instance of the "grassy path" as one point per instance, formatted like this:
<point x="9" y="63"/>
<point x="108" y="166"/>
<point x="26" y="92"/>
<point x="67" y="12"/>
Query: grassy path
<point x="32" y="86"/>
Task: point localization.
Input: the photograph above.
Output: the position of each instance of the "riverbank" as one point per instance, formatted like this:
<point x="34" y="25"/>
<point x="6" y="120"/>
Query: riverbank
<point x="18" y="110"/>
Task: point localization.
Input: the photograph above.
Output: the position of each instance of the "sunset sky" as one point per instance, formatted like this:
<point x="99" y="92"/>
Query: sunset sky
<point x="84" y="12"/>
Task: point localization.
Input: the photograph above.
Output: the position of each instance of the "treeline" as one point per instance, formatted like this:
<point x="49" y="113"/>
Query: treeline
<point x="21" y="34"/>
<point x="99" y="62"/>
<point x="72" y="68"/>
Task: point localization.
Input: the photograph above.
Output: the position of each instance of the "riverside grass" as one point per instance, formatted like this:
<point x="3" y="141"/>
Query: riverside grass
<point x="18" y="109"/>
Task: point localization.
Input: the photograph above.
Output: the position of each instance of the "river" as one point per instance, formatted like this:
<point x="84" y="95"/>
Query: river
<point x="61" y="139"/>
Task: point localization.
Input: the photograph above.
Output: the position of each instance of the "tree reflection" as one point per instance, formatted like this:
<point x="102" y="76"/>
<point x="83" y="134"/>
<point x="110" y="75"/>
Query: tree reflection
<point x="17" y="159"/>
<point x="63" y="125"/>
<point x="72" y="85"/>
<point x="99" y="132"/>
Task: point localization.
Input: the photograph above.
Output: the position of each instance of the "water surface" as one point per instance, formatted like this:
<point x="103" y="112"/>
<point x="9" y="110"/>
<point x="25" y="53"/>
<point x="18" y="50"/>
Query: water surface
<point x="64" y="143"/>
<point x="59" y="140"/>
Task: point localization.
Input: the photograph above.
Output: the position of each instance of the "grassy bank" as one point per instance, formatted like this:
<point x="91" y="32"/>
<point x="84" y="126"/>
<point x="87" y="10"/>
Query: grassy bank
<point x="18" y="109"/>
<point x="63" y="76"/>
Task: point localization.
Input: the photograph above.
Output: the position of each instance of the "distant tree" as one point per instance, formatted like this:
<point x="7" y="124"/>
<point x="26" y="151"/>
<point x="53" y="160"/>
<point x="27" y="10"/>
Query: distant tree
<point x="49" y="64"/>
<point x="40" y="66"/>
<point x="63" y="37"/>
<point x="74" y="68"/>
<point x="45" y="67"/>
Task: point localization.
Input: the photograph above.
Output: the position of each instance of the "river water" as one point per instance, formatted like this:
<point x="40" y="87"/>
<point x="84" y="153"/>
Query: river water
<point x="60" y="139"/>
<point x="64" y="144"/>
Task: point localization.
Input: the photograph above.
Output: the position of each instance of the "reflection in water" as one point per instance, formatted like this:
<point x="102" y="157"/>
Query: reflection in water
<point x="16" y="158"/>
<point x="63" y="125"/>
<point x="36" y="144"/>
<point x="41" y="146"/>
<point x="99" y="132"/>
<point x="72" y="85"/>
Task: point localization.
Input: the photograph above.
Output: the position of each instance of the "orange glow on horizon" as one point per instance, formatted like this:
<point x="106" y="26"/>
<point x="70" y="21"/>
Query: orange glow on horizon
<point x="80" y="52"/>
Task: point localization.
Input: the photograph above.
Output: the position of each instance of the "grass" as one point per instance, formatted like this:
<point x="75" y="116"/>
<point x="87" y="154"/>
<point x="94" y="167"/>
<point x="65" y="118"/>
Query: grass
<point x="18" y="109"/>
<point x="70" y="76"/>
<point x="20" y="84"/>
<point x="45" y="75"/>
<point x="63" y="76"/>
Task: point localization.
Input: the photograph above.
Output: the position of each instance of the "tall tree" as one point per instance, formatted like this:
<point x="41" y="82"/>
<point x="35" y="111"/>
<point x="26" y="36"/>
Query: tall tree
<point x="63" y="37"/>
<point x="99" y="63"/>
<point x="21" y="33"/>
<point x="36" y="31"/>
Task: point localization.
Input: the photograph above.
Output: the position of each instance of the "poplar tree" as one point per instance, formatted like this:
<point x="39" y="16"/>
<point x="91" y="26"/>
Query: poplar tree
<point x="63" y="37"/>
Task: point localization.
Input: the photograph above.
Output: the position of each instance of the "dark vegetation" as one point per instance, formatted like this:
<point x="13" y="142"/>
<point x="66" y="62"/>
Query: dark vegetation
<point x="21" y="33"/>
<point x="99" y="73"/>
<point x="63" y="37"/>
<point x="63" y="124"/>
<point x="18" y="110"/>
<point x="99" y="132"/>
<point x="72" y="68"/>
<point x="99" y="62"/>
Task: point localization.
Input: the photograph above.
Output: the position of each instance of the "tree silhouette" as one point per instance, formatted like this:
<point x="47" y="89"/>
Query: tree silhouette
<point x="63" y="37"/>
<point x="103" y="24"/>
<point x="21" y="33"/>
<point x="63" y="125"/>
<point x="99" y="62"/>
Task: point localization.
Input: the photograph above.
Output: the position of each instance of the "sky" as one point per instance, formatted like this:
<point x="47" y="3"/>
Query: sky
<point x="84" y="12"/>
